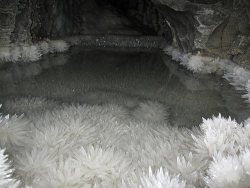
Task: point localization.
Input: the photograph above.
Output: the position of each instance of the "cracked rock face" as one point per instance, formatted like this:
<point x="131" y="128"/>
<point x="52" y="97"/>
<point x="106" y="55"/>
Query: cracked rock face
<point x="213" y="27"/>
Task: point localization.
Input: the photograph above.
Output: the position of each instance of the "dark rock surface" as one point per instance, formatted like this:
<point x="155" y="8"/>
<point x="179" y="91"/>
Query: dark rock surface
<point x="7" y="20"/>
<point x="214" y="27"/>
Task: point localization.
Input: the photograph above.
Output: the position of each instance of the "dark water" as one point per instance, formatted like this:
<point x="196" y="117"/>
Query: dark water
<point x="123" y="76"/>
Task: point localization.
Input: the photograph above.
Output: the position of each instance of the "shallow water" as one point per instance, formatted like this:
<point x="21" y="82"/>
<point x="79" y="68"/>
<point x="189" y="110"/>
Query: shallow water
<point x="97" y="76"/>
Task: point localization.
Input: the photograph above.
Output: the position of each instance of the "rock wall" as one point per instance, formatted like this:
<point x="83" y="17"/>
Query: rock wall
<point x="39" y="19"/>
<point x="27" y="21"/>
<point x="210" y="27"/>
<point x="8" y="10"/>
<point x="221" y="27"/>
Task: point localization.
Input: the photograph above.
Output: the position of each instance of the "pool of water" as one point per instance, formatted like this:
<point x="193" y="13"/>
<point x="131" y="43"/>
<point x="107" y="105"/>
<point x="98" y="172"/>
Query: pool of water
<point x="127" y="77"/>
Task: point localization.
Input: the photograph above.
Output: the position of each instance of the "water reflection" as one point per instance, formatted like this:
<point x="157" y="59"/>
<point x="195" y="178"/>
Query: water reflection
<point x="98" y="76"/>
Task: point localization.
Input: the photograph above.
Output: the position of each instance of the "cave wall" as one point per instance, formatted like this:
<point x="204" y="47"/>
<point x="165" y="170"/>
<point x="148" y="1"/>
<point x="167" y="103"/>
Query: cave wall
<point x="7" y="20"/>
<point x="212" y="27"/>
<point x="29" y="21"/>
<point x="221" y="27"/>
<point x="36" y="19"/>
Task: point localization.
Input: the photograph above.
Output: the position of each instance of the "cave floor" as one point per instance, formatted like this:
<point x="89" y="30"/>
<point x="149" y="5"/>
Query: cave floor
<point x="122" y="76"/>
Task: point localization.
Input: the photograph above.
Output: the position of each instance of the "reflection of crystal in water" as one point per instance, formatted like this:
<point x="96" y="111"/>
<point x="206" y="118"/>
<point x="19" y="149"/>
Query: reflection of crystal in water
<point x="118" y="41"/>
<point x="19" y="72"/>
<point x="126" y="77"/>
